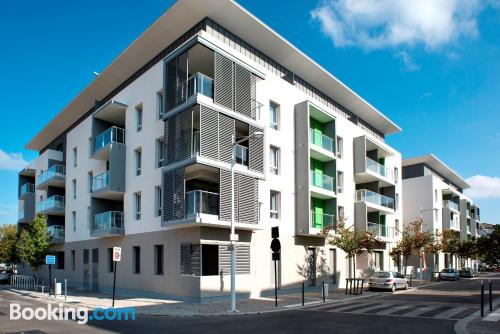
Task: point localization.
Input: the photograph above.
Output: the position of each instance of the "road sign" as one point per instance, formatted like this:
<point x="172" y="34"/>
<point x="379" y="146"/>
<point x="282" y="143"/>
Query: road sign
<point x="50" y="259"/>
<point x="117" y="254"/>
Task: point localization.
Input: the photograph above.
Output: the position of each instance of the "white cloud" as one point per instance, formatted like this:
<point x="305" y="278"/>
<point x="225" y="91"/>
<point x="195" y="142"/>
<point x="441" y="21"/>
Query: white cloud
<point x="12" y="160"/>
<point x="375" y="24"/>
<point x="483" y="187"/>
<point x="407" y="61"/>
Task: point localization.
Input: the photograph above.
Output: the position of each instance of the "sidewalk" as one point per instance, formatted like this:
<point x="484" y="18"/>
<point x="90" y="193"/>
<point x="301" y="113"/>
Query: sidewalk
<point x="164" y="307"/>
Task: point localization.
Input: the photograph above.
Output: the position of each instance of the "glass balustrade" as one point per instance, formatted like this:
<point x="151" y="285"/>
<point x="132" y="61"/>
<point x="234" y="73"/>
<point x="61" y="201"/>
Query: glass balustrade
<point x="108" y="220"/>
<point x="451" y="205"/>
<point x="323" y="181"/>
<point x="56" y="232"/>
<point x="100" y="181"/>
<point x="202" y="202"/>
<point x="27" y="188"/>
<point x="52" y="172"/>
<point x="197" y="83"/>
<point x="379" y="169"/>
<point x="364" y="195"/>
<point x="322" y="220"/>
<point x="53" y="203"/>
<point x="241" y="154"/>
<point x="380" y="230"/>
<point x="113" y="134"/>
<point x="319" y="139"/>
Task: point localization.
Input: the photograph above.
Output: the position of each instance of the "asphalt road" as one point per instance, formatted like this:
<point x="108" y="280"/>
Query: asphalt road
<point x="430" y="310"/>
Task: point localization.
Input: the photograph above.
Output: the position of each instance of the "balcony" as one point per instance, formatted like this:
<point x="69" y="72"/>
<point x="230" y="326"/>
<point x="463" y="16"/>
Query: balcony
<point x="104" y="141"/>
<point x="454" y="225"/>
<point x="382" y="171"/>
<point x="381" y="231"/>
<point x="107" y="186"/>
<point x="323" y="186"/>
<point x="197" y="83"/>
<point x="241" y="155"/>
<point x="57" y="233"/>
<point x="323" y="147"/>
<point x="200" y="202"/>
<point x="108" y="224"/>
<point x="323" y="220"/>
<point x="372" y="198"/>
<point x="27" y="189"/>
<point x="52" y="206"/>
<point x="54" y="176"/>
<point x="451" y="205"/>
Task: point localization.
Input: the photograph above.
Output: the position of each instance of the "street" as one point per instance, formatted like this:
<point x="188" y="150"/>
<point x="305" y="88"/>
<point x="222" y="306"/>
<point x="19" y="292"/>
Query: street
<point x="433" y="309"/>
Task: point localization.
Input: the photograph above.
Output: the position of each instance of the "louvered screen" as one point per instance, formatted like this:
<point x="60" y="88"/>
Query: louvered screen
<point x="242" y="91"/>
<point x="224" y="259"/>
<point x="171" y="84"/>
<point x="185" y="134"/>
<point x="168" y="195"/>
<point x="226" y="133"/>
<point x="178" y="194"/>
<point x="171" y="140"/>
<point x="195" y="259"/>
<point x="209" y="129"/>
<point x="190" y="259"/>
<point x="242" y="258"/>
<point x="256" y="151"/>
<point x="223" y="81"/>
<point x="247" y="201"/>
<point x="225" y="195"/>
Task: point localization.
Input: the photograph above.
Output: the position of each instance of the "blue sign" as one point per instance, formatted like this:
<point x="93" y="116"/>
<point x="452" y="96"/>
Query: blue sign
<point x="50" y="259"/>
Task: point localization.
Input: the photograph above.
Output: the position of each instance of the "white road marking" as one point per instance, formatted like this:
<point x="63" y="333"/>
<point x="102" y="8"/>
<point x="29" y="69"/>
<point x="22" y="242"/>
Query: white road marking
<point x="362" y="310"/>
<point x="494" y="316"/>
<point x="450" y="313"/>
<point x="394" y="309"/>
<point x="419" y="311"/>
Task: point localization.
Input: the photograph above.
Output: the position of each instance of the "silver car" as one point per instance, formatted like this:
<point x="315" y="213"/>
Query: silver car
<point x="387" y="280"/>
<point x="450" y="274"/>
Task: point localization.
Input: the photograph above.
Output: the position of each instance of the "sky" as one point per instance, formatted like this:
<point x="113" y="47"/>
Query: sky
<point x="431" y="66"/>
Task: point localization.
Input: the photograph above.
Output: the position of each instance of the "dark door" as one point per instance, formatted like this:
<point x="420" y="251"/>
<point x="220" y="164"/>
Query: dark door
<point x="95" y="269"/>
<point x="333" y="266"/>
<point x="86" y="272"/>
<point x="311" y="259"/>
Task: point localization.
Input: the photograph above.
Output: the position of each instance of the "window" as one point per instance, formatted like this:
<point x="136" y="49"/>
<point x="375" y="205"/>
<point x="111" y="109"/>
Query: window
<point x="73" y="187"/>
<point x="340" y="147"/>
<point x="341" y="212"/>
<point x="274" y="157"/>
<point x="209" y="260"/>
<point x="85" y="256"/>
<point x="75" y="157"/>
<point x="274" y="204"/>
<point x="95" y="255"/>
<point x="160" y="153"/>
<point x="396" y="174"/>
<point x="396" y="223"/>
<point x="137" y="201"/>
<point x="110" y="260"/>
<point x="89" y="218"/>
<point x="159" y="104"/>
<point x="138" y="117"/>
<point x="73" y="220"/>
<point x="73" y="260"/>
<point x="158" y="259"/>
<point x="436" y="215"/>
<point x="136" y="251"/>
<point x="340" y="182"/>
<point x="138" y="161"/>
<point x="158" y="201"/>
<point x="435" y="195"/>
<point x="273" y="115"/>
<point x="59" y="260"/>
<point x="378" y="260"/>
<point x="396" y="202"/>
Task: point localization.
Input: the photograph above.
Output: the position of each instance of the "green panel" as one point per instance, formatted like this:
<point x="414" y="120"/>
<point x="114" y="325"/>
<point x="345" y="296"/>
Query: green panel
<point x="381" y="221"/>
<point x="317" y="167"/>
<point x="317" y="132"/>
<point x="381" y="161"/>
<point x="318" y="208"/>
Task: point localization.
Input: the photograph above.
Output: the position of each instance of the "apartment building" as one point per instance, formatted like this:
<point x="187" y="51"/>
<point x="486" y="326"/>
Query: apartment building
<point x="147" y="166"/>
<point x="434" y="192"/>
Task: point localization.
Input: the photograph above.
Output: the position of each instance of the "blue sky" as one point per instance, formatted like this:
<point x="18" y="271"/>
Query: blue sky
<point x="431" y="66"/>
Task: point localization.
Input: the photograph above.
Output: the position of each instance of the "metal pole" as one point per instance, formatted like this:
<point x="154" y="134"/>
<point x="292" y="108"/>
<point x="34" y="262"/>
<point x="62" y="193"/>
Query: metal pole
<point x="482" y="299"/>
<point x="50" y="278"/>
<point x="490" y="296"/>
<point x="114" y="283"/>
<point x="303" y="288"/>
<point x="55" y="291"/>
<point x="233" y="251"/>
<point x="65" y="289"/>
<point x="323" y="288"/>
<point x="275" y="285"/>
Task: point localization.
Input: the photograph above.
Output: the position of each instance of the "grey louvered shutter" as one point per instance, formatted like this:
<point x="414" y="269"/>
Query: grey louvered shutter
<point x="256" y="151"/>
<point x="223" y="81"/>
<point x="195" y="259"/>
<point x="171" y="139"/>
<point x="185" y="134"/>
<point x="185" y="259"/>
<point x="178" y="194"/>
<point x="167" y="193"/>
<point x="243" y="91"/>
<point x="171" y="84"/>
<point x="226" y="133"/>
<point x="224" y="259"/>
<point x="247" y="201"/>
<point x="243" y="259"/>
<point x="225" y="195"/>
<point x="209" y="129"/>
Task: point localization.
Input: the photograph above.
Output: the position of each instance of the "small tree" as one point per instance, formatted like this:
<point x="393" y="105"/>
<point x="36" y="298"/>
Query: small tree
<point x="404" y="248"/>
<point x="8" y="245"/>
<point x="449" y="244"/>
<point x="420" y="238"/>
<point x="488" y="247"/>
<point x="466" y="249"/>
<point x="34" y="243"/>
<point x="434" y="247"/>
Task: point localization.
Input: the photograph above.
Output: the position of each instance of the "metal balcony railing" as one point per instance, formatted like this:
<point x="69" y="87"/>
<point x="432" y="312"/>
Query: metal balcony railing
<point x="27" y="188"/>
<point x="322" y="220"/>
<point x="53" y="203"/>
<point x="380" y="230"/>
<point x="201" y="202"/>
<point x="322" y="181"/>
<point x="51" y="172"/>
<point x="379" y="169"/>
<point x="364" y="195"/>
<point x="197" y="83"/>
<point x="319" y="139"/>
<point x="100" y="181"/>
<point x="56" y="232"/>
<point x="113" y="134"/>
<point x="451" y="205"/>
<point x="107" y="221"/>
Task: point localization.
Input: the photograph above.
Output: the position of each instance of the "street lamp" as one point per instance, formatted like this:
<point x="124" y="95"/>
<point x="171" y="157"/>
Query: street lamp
<point x="420" y="258"/>
<point x="233" y="236"/>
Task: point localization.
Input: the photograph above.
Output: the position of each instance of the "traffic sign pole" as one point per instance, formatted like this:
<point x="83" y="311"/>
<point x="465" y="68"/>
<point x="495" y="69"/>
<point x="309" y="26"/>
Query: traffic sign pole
<point x="50" y="279"/>
<point x="117" y="256"/>
<point x="114" y="282"/>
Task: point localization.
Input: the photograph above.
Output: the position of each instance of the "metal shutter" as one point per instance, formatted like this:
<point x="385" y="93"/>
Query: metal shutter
<point x="223" y="81"/>
<point x="209" y="129"/>
<point x="171" y="139"/>
<point x="226" y="133"/>
<point x="225" y="195"/>
<point x="168" y="194"/>
<point x="178" y="194"/>
<point x="185" y="134"/>
<point x="242" y="258"/>
<point x="256" y="151"/>
<point x="190" y="259"/>
<point x="224" y="259"/>
<point x="171" y="84"/>
<point x="243" y="91"/>
<point x="247" y="203"/>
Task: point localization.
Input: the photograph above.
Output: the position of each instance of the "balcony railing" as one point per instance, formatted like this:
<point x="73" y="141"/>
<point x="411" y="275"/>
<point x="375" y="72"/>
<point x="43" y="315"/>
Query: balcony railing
<point x="469" y="228"/>
<point x="380" y="230"/>
<point x="27" y="188"/>
<point x="364" y="195"/>
<point x="241" y="155"/>
<point x="322" y="220"/>
<point x="20" y="214"/>
<point x="379" y="169"/>
<point x="113" y="134"/>
<point x="454" y="225"/>
<point x="100" y="181"/>
<point x="107" y="221"/>
<point x="322" y="181"/>
<point x="322" y="140"/>
<point x="56" y="232"/>
<point x="202" y="202"/>
<point x="54" y="203"/>
<point x="197" y="83"/>
<point x="196" y="143"/>
<point x="451" y="205"/>
<point x="51" y="172"/>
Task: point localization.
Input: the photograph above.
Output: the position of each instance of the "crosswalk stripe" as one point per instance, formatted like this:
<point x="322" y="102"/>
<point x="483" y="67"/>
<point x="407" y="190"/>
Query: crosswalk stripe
<point x="495" y="316"/>
<point x="353" y="308"/>
<point x="364" y="309"/>
<point x="394" y="309"/>
<point x="420" y="311"/>
<point x="450" y="313"/>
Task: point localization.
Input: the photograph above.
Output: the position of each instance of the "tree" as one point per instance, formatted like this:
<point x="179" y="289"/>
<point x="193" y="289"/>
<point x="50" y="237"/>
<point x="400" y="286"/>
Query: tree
<point x="420" y="239"/>
<point x="34" y="243"/>
<point x="8" y="245"/>
<point x="404" y="248"/>
<point x="434" y="247"/>
<point x="466" y="250"/>
<point x="488" y="247"/>
<point x="449" y="244"/>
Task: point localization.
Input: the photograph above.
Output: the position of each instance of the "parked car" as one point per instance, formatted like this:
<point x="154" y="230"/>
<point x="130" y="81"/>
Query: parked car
<point x="467" y="273"/>
<point x="450" y="274"/>
<point x="387" y="280"/>
<point x="5" y="277"/>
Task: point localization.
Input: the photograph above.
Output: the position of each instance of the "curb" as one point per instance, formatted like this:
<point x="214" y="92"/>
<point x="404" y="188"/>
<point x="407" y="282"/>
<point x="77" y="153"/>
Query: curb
<point x="461" y="325"/>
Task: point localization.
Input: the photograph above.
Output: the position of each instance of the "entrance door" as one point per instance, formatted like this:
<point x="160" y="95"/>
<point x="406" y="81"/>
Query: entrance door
<point x="333" y="266"/>
<point x="86" y="272"/>
<point x="312" y="266"/>
<point x="95" y="269"/>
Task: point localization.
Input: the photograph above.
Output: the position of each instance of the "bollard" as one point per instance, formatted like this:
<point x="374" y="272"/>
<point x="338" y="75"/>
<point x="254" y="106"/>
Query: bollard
<point x="490" y="297"/>
<point x="65" y="289"/>
<point x="362" y="283"/>
<point x="346" y="284"/>
<point x="323" y="289"/>
<point x="482" y="299"/>
<point x="55" y="282"/>
<point x="303" y="288"/>
<point x="411" y="279"/>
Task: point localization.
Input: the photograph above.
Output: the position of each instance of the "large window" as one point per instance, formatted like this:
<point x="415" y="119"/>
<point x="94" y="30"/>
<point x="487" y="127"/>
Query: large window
<point x="158" y="258"/>
<point x="274" y="206"/>
<point x="138" y="117"/>
<point x="136" y="253"/>
<point x="138" y="162"/>
<point x="138" y="205"/>
<point x="274" y="115"/>
<point x="274" y="159"/>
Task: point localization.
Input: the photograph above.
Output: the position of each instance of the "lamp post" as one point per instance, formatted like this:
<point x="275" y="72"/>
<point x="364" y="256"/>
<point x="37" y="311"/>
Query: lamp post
<point x="233" y="236"/>
<point x="420" y="258"/>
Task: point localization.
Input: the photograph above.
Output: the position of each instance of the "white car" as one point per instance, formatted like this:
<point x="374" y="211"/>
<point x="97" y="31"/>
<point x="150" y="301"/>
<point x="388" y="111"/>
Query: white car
<point x="450" y="274"/>
<point x="387" y="280"/>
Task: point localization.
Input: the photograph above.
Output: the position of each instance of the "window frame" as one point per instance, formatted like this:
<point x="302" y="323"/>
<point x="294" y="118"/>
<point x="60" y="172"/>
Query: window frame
<point x="136" y="260"/>
<point x="75" y="156"/>
<point x="138" y="161"/>
<point x="139" y="114"/>
<point x="137" y="206"/>
<point x="158" y="259"/>
<point x="160" y="104"/>
<point x="340" y="147"/>
<point x="274" y="213"/>
<point x="274" y="169"/>
<point x="160" y="152"/>
<point x="274" y="107"/>
<point x="340" y="182"/>
<point x="158" y="201"/>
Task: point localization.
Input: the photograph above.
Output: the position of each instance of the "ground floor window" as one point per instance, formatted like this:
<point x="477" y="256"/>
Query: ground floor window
<point x="110" y="260"/>
<point x="158" y="259"/>
<point x="209" y="260"/>
<point x="378" y="260"/>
